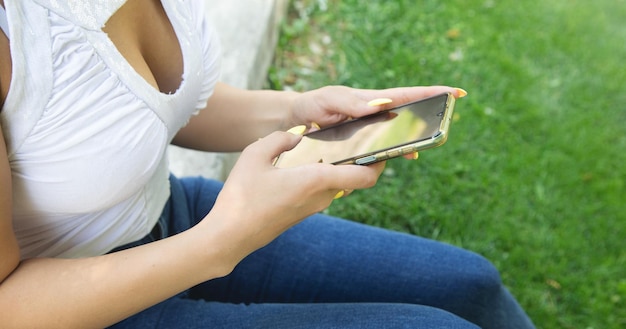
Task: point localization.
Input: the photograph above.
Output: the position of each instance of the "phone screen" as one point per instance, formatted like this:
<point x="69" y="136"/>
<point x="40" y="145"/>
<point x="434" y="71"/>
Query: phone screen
<point x="405" y="129"/>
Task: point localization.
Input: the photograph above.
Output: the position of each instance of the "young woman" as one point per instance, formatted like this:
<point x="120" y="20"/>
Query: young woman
<point x="94" y="232"/>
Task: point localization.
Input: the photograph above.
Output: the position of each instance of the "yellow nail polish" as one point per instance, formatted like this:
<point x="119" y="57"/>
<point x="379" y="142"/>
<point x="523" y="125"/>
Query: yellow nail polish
<point x="416" y="155"/>
<point x="315" y="125"/>
<point x="462" y="92"/>
<point x="379" y="101"/>
<point x="340" y="194"/>
<point x="297" y="130"/>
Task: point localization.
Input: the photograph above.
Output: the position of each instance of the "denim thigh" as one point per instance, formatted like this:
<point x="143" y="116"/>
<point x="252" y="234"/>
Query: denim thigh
<point x="324" y="262"/>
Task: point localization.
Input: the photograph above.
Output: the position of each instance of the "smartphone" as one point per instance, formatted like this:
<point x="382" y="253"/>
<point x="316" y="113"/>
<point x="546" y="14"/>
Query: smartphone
<point x="377" y="137"/>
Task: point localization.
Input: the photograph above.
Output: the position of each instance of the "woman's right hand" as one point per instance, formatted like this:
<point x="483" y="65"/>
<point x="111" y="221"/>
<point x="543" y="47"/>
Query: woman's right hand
<point x="259" y="201"/>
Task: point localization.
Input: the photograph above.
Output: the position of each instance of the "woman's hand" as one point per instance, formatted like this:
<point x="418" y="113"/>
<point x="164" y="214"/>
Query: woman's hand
<point x="333" y="104"/>
<point x="259" y="201"/>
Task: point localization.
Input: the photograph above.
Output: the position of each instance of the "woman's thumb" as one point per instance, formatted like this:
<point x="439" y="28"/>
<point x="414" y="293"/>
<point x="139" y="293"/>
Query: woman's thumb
<point x="276" y="143"/>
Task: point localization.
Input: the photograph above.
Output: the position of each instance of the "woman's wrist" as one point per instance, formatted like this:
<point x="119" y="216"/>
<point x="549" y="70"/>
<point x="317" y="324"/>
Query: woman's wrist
<point x="291" y="103"/>
<point x="221" y="243"/>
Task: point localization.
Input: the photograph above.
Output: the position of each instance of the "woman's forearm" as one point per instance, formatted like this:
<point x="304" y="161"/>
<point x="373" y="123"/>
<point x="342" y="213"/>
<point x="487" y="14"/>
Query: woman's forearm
<point x="234" y="118"/>
<point x="100" y="291"/>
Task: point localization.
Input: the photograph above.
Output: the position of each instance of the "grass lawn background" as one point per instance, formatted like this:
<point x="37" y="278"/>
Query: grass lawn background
<point x="533" y="173"/>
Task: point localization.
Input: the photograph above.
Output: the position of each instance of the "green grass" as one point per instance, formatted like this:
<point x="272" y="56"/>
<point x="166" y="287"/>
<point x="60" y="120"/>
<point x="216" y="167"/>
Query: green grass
<point x="533" y="174"/>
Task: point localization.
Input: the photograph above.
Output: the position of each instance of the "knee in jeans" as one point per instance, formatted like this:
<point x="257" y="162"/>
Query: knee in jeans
<point x="479" y="279"/>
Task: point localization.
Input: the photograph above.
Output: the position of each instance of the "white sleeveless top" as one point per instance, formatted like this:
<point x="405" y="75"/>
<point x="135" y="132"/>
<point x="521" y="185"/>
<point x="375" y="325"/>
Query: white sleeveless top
<point x="86" y="134"/>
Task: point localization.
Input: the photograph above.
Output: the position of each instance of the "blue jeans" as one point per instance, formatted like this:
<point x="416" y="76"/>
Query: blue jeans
<point x="328" y="272"/>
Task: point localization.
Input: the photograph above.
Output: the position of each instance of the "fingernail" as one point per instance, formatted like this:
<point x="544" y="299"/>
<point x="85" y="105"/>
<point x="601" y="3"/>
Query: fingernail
<point x="462" y="92"/>
<point x="340" y="194"/>
<point x="416" y="155"/>
<point x="315" y="125"/>
<point x="379" y="101"/>
<point x="297" y="130"/>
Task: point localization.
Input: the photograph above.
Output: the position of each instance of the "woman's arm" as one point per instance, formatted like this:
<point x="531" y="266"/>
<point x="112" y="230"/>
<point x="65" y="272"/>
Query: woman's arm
<point x="99" y="291"/>
<point x="234" y="118"/>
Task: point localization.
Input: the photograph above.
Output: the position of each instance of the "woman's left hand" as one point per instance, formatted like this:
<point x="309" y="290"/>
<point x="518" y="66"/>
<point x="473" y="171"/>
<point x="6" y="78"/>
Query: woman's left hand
<point x="333" y="104"/>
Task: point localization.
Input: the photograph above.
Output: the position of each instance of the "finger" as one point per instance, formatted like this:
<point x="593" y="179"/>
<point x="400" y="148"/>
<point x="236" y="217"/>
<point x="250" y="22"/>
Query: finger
<point x="343" y="194"/>
<point x="274" y="144"/>
<point x="379" y="101"/>
<point x="402" y="95"/>
<point x="369" y="101"/>
<point x="340" y="194"/>
<point x="297" y="130"/>
<point x="314" y="127"/>
<point x="343" y="101"/>
<point x="411" y="156"/>
<point x="353" y="177"/>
